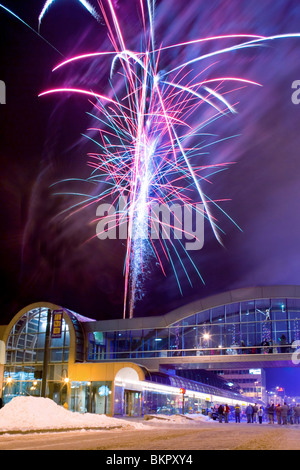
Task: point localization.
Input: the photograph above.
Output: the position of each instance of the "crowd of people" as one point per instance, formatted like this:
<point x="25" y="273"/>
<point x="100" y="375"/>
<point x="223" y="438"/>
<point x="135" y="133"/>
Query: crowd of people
<point x="266" y="347"/>
<point x="280" y="414"/>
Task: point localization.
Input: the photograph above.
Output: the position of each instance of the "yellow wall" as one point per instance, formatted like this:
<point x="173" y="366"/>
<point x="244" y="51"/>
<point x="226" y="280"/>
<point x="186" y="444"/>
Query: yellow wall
<point x="2" y="331"/>
<point x="92" y="372"/>
<point x="100" y="372"/>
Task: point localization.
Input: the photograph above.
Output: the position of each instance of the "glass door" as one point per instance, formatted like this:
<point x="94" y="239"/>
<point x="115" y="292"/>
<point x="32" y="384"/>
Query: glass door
<point x="132" y="403"/>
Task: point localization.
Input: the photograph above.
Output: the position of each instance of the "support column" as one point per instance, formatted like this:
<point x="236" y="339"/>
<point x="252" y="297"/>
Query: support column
<point x="46" y="356"/>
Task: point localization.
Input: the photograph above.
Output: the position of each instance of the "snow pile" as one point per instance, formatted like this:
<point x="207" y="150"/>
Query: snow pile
<point x="36" y="413"/>
<point x="200" y="417"/>
<point x="179" y="419"/>
<point x="33" y="413"/>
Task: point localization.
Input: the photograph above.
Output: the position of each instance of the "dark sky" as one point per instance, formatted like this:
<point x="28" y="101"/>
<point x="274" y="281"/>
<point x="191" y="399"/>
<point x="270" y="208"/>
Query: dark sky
<point x="287" y="378"/>
<point x="48" y="254"/>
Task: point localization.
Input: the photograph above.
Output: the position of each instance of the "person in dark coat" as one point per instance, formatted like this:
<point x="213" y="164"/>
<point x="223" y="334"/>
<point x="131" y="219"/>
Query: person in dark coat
<point x="249" y="413"/>
<point x="237" y="412"/>
<point x="221" y="413"/>
<point x="254" y="414"/>
<point x="278" y="413"/>
<point x="284" y="413"/>
<point x="291" y="415"/>
<point x="271" y="411"/>
<point x="297" y="414"/>
<point x="283" y="347"/>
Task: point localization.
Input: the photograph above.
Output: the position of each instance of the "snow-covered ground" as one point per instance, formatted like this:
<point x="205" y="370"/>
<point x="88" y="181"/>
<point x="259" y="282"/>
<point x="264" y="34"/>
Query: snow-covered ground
<point x="190" y="432"/>
<point x="35" y="413"/>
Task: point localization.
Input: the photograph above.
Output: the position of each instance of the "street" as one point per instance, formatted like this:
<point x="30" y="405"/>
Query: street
<point x="216" y="436"/>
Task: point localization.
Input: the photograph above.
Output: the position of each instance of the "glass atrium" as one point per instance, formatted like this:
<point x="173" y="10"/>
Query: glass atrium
<point x="25" y="356"/>
<point x="251" y="327"/>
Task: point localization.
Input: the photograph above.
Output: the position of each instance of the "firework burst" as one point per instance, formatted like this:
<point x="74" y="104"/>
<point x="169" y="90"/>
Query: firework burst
<point x="150" y="136"/>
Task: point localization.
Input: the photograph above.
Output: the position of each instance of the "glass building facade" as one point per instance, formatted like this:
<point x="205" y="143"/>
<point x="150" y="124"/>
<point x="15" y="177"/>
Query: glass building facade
<point x="86" y="365"/>
<point x="90" y="396"/>
<point x="251" y="327"/>
<point x="161" y="393"/>
<point x="25" y="354"/>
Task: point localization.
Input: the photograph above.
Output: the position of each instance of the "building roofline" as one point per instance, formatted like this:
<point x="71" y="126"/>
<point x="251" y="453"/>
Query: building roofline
<point x="163" y="321"/>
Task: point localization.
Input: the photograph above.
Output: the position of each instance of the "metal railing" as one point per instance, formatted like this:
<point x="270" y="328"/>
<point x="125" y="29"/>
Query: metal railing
<point x="233" y="350"/>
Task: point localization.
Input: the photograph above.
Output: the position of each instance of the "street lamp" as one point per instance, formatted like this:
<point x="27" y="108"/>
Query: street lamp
<point x="182" y="392"/>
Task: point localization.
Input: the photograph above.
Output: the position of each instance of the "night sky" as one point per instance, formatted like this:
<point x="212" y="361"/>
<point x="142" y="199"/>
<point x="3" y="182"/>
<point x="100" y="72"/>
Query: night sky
<point x="51" y="255"/>
<point x="287" y="378"/>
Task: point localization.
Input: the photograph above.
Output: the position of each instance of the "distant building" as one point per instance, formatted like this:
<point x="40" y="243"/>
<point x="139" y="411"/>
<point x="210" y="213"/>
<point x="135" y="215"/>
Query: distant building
<point x="250" y="382"/>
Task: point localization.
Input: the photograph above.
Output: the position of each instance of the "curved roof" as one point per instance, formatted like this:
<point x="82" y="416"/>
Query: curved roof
<point x="233" y="296"/>
<point x="224" y="298"/>
<point x="73" y="319"/>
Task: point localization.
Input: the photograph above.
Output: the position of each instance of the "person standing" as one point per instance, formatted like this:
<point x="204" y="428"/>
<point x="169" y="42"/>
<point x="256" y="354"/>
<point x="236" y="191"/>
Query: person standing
<point x="291" y="415"/>
<point x="278" y="413"/>
<point x="254" y="414"/>
<point x="297" y="414"/>
<point x="283" y="347"/>
<point x="221" y="413"/>
<point x="284" y="413"/>
<point x="260" y="414"/>
<point x="270" y="411"/>
<point x="237" y="412"/>
<point x="249" y="413"/>
<point x="226" y="413"/>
